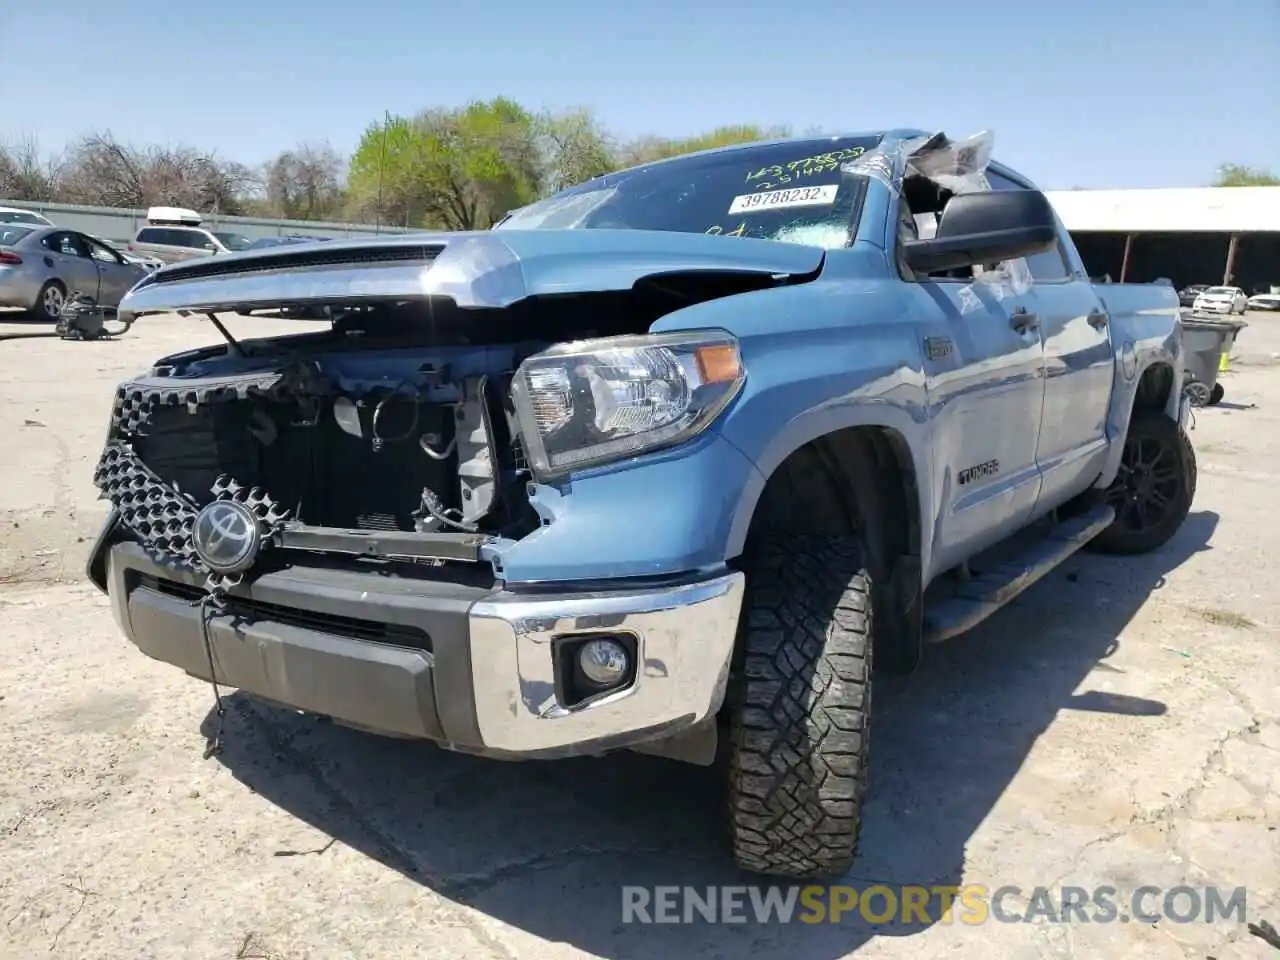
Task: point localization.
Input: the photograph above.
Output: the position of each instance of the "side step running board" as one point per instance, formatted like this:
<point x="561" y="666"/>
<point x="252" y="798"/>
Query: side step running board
<point x="982" y="596"/>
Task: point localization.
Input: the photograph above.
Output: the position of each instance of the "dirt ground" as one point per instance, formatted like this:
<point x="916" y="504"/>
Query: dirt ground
<point x="1119" y="724"/>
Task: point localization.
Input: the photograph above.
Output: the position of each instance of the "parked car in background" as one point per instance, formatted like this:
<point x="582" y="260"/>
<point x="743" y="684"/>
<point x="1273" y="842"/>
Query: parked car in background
<point x="20" y="216"/>
<point x="1187" y="295"/>
<point x="41" y="266"/>
<point x="1264" y="301"/>
<point x="173" y="234"/>
<point x="151" y="263"/>
<point x="263" y="243"/>
<point x="1221" y="300"/>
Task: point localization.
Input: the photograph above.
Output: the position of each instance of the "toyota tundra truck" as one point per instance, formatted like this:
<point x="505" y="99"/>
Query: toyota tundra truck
<point x="664" y="462"/>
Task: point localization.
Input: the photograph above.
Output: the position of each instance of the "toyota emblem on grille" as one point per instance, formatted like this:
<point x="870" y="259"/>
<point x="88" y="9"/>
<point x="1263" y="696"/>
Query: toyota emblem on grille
<point x="226" y="536"/>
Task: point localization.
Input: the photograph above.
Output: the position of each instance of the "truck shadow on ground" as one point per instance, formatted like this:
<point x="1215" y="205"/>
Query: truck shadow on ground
<point x="548" y="847"/>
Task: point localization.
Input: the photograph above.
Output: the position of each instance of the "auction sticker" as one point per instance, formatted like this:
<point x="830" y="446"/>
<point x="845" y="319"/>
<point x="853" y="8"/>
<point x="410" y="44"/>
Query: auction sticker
<point x="780" y="199"/>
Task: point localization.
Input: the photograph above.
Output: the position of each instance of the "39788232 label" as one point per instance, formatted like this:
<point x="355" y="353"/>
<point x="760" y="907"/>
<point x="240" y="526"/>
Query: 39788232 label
<point x="780" y="199"/>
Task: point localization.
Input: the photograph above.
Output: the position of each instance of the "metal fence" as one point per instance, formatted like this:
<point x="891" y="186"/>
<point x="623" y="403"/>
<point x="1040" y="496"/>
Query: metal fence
<point x="119" y="225"/>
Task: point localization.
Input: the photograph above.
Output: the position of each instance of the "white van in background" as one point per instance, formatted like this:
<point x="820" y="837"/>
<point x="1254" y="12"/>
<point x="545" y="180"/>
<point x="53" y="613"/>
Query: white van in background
<point x="174" y="233"/>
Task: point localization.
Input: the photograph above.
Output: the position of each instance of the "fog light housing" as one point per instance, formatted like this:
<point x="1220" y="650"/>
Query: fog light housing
<point x="591" y="666"/>
<point x="604" y="661"/>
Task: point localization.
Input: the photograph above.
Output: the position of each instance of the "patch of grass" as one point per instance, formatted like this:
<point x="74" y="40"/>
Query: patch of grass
<point x="1226" y="618"/>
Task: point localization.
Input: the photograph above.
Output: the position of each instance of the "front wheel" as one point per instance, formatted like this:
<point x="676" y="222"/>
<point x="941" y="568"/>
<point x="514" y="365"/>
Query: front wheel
<point x="1154" y="488"/>
<point x="801" y="709"/>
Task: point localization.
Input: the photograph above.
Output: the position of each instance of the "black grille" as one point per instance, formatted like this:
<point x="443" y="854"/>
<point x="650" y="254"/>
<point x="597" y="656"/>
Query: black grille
<point x="300" y="259"/>
<point x="377" y="521"/>
<point x="254" y="610"/>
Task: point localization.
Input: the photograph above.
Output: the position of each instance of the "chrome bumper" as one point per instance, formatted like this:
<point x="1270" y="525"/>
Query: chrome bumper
<point x="684" y="637"/>
<point x="477" y="670"/>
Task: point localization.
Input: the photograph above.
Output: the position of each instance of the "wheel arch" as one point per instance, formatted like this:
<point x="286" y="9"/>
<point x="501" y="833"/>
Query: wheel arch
<point x="1157" y="387"/>
<point x="898" y="436"/>
<point x="860" y="476"/>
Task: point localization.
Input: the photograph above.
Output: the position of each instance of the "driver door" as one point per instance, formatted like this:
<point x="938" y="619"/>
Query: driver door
<point x="984" y="369"/>
<point x="984" y="375"/>
<point x="115" y="276"/>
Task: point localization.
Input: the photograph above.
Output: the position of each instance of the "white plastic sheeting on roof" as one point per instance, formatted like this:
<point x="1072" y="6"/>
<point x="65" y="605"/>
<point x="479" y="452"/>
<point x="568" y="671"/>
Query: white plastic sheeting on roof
<point x="173" y="215"/>
<point x="1226" y="209"/>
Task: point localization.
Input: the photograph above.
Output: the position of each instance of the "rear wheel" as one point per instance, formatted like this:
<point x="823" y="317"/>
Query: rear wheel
<point x="1216" y="394"/>
<point x="800" y="713"/>
<point x="1198" y="393"/>
<point x="52" y="296"/>
<point x="1154" y="488"/>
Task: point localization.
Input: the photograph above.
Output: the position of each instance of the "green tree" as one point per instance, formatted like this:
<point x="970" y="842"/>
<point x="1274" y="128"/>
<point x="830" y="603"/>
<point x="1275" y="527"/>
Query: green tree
<point x="456" y="169"/>
<point x="1239" y="175"/>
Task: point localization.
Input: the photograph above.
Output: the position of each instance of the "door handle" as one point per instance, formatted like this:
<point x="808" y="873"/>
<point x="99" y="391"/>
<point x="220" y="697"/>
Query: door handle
<point x="1022" y="321"/>
<point x="1097" y="319"/>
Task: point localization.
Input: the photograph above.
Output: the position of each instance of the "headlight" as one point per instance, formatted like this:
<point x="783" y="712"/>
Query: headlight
<point x="599" y="400"/>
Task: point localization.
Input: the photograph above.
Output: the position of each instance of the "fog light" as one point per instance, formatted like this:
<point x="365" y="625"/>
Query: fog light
<point x="603" y="662"/>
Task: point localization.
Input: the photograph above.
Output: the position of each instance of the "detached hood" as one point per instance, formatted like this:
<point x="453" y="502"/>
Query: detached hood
<point x="475" y="269"/>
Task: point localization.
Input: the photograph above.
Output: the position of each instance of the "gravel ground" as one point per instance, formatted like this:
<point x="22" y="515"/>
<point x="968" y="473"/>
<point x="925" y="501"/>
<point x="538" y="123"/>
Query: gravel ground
<point x="1119" y="724"/>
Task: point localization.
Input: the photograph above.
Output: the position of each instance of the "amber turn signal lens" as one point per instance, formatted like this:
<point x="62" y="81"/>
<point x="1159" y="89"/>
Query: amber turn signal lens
<point x="718" y="363"/>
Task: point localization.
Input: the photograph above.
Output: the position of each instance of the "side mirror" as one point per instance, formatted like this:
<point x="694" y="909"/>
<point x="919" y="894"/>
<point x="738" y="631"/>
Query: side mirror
<point x="985" y="228"/>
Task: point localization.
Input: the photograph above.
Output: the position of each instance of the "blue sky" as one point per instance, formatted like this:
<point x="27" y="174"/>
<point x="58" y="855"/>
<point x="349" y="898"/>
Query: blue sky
<point x="1095" y="93"/>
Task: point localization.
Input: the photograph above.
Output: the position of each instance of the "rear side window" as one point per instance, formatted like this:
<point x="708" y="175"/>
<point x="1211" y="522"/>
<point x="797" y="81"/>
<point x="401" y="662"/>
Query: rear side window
<point x="171" y="237"/>
<point x="11" y="235"/>
<point x="1048" y="266"/>
<point x="190" y="238"/>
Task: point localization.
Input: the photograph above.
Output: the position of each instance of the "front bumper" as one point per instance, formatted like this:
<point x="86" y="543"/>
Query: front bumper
<point x="469" y="667"/>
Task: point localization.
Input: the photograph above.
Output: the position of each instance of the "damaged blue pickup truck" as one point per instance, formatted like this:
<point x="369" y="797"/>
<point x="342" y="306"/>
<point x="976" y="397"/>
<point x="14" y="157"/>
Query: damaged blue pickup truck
<point x="663" y="462"/>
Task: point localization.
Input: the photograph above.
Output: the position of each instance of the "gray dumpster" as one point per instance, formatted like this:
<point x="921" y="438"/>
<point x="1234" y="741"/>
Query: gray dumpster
<point x="1206" y="344"/>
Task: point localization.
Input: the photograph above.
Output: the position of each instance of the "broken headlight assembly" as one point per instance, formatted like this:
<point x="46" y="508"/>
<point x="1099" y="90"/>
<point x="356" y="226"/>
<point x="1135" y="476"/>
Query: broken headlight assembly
<point x="595" y="401"/>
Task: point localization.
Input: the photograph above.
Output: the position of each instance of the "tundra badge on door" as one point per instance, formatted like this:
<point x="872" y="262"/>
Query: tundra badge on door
<point x="988" y="469"/>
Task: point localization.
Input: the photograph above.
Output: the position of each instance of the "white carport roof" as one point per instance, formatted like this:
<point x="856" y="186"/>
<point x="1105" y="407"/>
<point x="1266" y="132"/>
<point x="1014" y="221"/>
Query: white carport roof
<point x="1175" y="210"/>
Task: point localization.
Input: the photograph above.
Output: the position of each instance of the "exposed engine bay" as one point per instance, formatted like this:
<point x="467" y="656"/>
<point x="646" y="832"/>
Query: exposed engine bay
<point x="327" y="439"/>
<point x="390" y="436"/>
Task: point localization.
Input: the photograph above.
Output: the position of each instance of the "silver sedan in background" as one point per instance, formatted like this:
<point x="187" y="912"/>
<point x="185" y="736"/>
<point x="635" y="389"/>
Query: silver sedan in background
<point x="41" y="266"/>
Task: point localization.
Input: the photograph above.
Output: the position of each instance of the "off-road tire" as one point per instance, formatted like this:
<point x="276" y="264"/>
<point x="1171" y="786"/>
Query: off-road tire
<point x="800" y="713"/>
<point x="1149" y="428"/>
